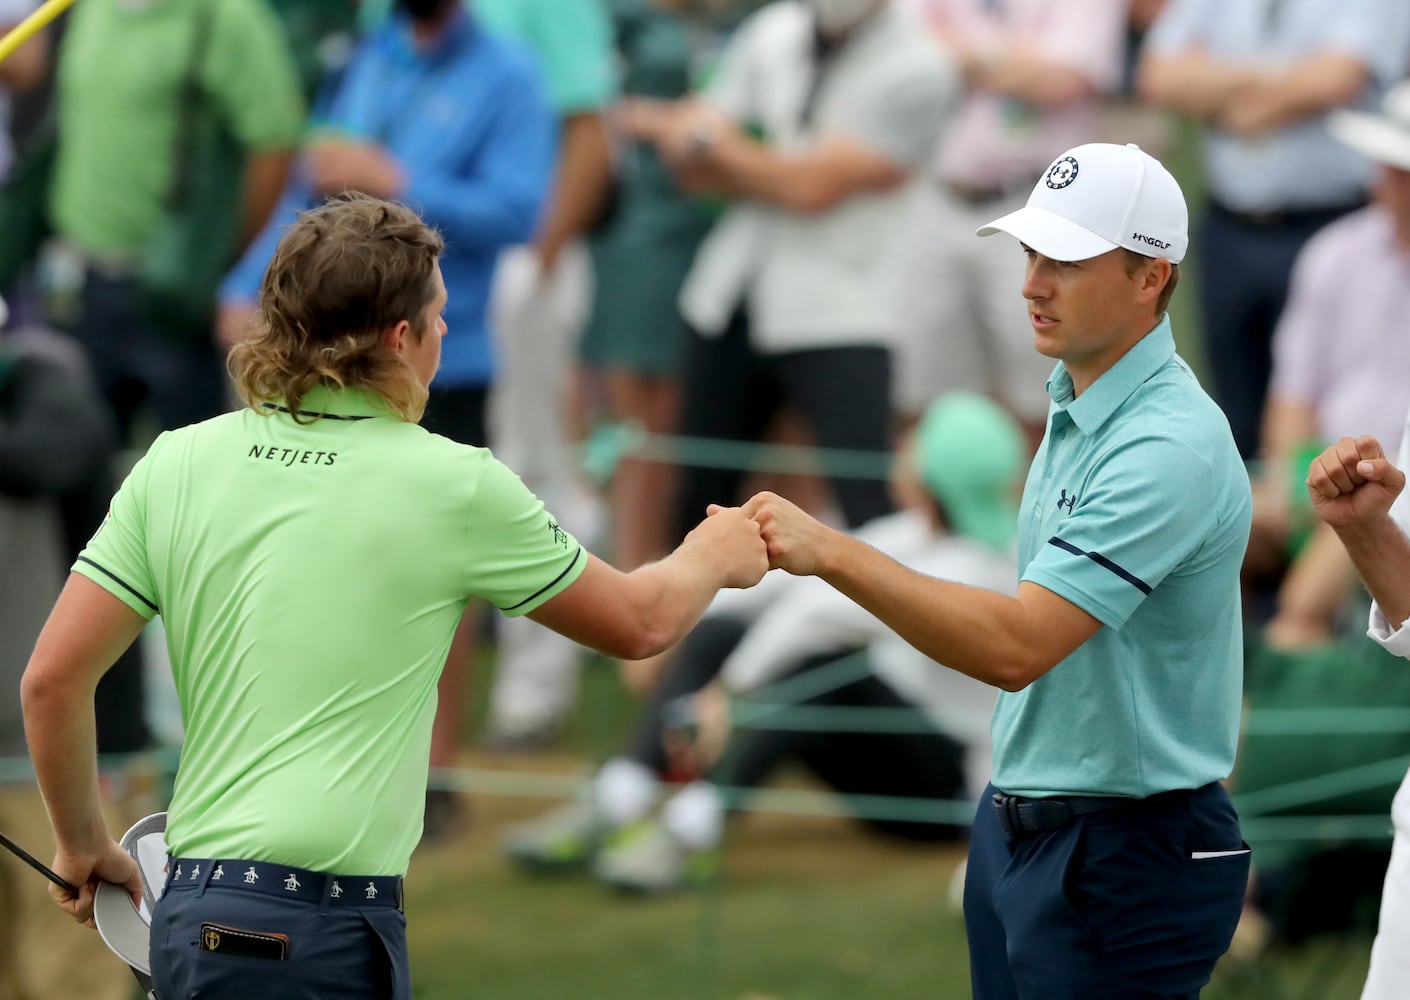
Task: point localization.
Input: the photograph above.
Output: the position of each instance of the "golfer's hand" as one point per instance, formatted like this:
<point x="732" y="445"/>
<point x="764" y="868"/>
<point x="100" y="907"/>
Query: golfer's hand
<point x="796" y="541"/>
<point x="734" y="540"/>
<point x="1352" y="483"/>
<point x="85" y="870"/>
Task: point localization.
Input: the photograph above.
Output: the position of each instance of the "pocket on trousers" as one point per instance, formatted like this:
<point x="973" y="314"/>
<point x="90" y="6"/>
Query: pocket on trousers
<point x="390" y="928"/>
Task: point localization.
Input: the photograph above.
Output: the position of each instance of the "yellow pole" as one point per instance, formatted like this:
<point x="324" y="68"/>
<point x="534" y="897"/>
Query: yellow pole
<point x="31" y="26"/>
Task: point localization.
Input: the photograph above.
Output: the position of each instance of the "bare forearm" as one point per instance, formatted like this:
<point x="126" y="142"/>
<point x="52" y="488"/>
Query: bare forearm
<point x="1020" y="73"/>
<point x="983" y="634"/>
<point x="584" y="172"/>
<point x="1380" y="551"/>
<point x="1309" y="88"/>
<point x="61" y="729"/>
<point x="667" y="598"/>
<point x="265" y="175"/>
<point x="752" y="170"/>
<point x="1192" y="83"/>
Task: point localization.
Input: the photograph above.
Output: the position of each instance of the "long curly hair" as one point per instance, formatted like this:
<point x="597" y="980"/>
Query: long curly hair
<point x="343" y="274"/>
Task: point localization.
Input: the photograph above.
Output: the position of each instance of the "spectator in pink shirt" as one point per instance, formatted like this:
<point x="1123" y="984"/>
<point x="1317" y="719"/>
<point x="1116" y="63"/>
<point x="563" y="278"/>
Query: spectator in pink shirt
<point x="1341" y="368"/>
<point x="1034" y="72"/>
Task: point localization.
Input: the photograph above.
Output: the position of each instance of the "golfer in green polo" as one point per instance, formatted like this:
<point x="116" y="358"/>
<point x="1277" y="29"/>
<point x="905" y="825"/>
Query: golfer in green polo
<point x="310" y="556"/>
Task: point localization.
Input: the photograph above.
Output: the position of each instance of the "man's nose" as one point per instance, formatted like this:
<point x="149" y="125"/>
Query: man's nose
<point x="1037" y="283"/>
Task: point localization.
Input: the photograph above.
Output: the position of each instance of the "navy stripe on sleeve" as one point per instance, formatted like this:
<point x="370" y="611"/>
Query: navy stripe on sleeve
<point x="550" y="585"/>
<point x="1103" y="562"/>
<point x="120" y="582"/>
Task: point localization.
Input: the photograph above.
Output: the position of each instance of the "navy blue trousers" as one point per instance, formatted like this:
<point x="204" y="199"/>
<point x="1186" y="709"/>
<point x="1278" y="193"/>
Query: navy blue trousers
<point x="1114" y="904"/>
<point x="348" y="952"/>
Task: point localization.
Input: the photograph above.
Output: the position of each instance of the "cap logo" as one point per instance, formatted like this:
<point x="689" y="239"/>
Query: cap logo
<point x="1150" y="241"/>
<point x="1062" y="173"/>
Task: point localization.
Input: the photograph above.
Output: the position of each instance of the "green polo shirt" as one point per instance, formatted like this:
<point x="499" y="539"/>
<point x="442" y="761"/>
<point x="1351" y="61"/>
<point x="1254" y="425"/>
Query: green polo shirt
<point x="310" y="576"/>
<point x="120" y="70"/>
<point x="1137" y="510"/>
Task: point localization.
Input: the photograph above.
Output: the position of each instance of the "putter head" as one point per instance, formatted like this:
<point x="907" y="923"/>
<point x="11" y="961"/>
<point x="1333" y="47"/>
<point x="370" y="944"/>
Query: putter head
<point x="127" y="929"/>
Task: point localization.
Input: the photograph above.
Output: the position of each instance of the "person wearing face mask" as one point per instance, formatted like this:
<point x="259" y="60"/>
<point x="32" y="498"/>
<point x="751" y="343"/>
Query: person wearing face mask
<point x="816" y="128"/>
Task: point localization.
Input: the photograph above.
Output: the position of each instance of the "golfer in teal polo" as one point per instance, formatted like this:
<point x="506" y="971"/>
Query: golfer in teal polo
<point x="310" y="557"/>
<point x="1106" y="859"/>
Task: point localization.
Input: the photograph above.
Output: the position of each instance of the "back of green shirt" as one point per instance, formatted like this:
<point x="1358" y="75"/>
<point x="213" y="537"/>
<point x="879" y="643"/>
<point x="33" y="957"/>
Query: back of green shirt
<point x="310" y="577"/>
<point x="120" y="71"/>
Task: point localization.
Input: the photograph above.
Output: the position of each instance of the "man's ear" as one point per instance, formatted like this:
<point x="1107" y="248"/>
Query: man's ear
<point x="394" y="338"/>
<point x="1155" y="277"/>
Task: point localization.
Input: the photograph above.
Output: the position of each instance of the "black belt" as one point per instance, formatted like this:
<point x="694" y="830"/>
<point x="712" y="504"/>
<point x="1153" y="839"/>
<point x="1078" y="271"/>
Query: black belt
<point x="285" y="882"/>
<point x="1278" y="218"/>
<point x="1018" y="816"/>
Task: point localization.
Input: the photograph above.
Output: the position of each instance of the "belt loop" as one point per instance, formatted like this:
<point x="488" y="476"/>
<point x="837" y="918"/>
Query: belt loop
<point x="1011" y="810"/>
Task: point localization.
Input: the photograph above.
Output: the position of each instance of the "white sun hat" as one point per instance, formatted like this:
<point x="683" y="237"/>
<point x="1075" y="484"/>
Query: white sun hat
<point x="1384" y="137"/>
<point x="126" y="928"/>
<point x="1096" y="198"/>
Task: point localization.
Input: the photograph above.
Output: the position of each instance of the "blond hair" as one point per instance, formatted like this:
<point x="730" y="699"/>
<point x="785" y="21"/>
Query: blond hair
<point x="342" y="275"/>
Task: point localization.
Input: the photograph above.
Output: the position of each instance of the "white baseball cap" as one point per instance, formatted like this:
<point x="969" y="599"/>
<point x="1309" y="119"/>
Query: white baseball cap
<point x="125" y="928"/>
<point x="1098" y="197"/>
<point x="1384" y="137"/>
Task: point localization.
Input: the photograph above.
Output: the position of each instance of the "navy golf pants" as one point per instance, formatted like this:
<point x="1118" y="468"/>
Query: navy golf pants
<point x="222" y="942"/>
<point x="1136" y="902"/>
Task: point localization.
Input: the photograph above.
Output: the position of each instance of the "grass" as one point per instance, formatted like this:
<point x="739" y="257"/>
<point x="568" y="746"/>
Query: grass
<point x="809" y="908"/>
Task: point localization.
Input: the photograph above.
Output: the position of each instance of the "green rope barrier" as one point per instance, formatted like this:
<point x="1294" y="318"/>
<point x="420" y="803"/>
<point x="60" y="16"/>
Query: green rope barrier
<point x="1323" y="787"/>
<point x="610" y="444"/>
<point x="1325" y="722"/>
<point x="829" y="719"/>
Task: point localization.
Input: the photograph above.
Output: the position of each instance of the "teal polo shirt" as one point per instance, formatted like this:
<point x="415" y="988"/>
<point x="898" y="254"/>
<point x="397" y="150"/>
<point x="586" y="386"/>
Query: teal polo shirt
<point x="1137" y="510"/>
<point x="310" y="574"/>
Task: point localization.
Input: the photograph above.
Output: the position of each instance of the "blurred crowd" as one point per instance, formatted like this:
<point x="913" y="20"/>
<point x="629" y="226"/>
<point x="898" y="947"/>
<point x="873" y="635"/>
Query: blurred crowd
<point x="678" y="226"/>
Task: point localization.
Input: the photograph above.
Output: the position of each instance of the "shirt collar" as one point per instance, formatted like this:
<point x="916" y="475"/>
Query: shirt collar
<point x="1113" y="387"/>
<point x="338" y="403"/>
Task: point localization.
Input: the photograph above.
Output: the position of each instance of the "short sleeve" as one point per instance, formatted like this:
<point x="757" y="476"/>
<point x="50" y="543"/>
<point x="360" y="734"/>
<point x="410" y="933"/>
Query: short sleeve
<point x="904" y="123"/>
<point x="1135" y="521"/>
<point x="250" y="70"/>
<point x="1375" y="31"/>
<point x="116" y="557"/>
<point x="517" y="556"/>
<point x="1088" y="37"/>
<point x="573" y="42"/>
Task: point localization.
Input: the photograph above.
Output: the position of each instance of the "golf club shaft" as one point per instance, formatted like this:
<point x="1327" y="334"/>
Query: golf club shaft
<point x="31" y="26"/>
<point x="38" y="865"/>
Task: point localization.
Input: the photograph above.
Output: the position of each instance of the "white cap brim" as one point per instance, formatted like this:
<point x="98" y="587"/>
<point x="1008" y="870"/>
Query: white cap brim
<point x="1050" y="234"/>
<point x="1371" y="135"/>
<point x="125" y="928"/>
